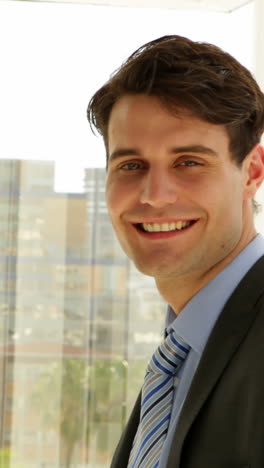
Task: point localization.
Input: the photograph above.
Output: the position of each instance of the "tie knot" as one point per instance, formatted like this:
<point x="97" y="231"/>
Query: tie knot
<point x="169" y="356"/>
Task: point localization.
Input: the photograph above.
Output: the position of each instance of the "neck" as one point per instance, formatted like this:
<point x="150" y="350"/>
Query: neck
<point x="177" y="292"/>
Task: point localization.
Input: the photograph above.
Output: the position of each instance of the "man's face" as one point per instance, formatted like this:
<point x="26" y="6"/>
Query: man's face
<point x="176" y="199"/>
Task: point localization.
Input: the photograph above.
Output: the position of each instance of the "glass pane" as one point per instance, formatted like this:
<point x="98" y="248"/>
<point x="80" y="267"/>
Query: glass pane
<point x="72" y="359"/>
<point x="77" y="321"/>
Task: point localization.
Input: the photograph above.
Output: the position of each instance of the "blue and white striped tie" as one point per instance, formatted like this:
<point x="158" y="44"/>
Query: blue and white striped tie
<point x="156" y="402"/>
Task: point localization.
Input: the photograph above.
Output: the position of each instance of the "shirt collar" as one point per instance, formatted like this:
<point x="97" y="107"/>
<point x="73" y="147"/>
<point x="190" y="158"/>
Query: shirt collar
<point x="196" y="320"/>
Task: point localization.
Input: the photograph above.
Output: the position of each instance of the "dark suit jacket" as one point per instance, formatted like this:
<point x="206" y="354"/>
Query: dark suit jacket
<point x="222" y="420"/>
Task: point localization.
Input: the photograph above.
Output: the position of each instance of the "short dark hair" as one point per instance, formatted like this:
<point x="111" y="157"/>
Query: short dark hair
<point x="197" y="76"/>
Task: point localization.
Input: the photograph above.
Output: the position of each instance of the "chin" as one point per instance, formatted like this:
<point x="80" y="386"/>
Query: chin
<point x="155" y="271"/>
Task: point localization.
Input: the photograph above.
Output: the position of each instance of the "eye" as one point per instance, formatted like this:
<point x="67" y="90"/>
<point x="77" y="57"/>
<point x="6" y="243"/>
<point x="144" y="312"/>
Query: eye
<point x="131" y="166"/>
<point x="190" y="163"/>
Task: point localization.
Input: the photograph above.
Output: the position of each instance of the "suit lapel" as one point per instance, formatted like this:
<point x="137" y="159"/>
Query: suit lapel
<point x="121" y="456"/>
<point x="229" y="331"/>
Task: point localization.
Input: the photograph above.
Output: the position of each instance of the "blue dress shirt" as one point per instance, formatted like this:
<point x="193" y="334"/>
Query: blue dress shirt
<point x="197" y="319"/>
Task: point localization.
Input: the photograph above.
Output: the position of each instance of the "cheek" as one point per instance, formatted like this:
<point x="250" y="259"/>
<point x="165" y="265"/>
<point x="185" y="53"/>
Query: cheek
<point x="120" y="195"/>
<point x="215" y="198"/>
<point x="115" y="199"/>
<point x="109" y="197"/>
<point x="110" y="203"/>
<point x="225" y="203"/>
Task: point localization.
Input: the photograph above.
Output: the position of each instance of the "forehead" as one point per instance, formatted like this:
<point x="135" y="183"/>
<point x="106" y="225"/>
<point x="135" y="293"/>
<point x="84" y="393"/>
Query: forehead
<point x="139" y="119"/>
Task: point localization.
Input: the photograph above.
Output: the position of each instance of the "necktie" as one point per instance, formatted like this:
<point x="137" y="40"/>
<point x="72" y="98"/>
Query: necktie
<point x="156" y="401"/>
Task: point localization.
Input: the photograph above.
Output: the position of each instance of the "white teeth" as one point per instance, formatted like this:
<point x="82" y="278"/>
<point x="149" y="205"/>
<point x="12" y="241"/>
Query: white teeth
<point x="165" y="227"/>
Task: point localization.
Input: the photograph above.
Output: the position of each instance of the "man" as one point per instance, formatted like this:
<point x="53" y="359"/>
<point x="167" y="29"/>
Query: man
<point x="182" y="123"/>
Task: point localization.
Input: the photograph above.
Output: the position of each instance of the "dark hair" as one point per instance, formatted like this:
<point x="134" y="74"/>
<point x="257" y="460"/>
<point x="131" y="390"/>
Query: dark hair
<point x="197" y="76"/>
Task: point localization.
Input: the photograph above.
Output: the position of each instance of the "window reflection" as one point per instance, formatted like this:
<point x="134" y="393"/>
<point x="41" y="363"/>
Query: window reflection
<point x="72" y="359"/>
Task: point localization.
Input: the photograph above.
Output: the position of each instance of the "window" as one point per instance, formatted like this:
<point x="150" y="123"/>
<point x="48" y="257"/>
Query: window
<point x="77" y="321"/>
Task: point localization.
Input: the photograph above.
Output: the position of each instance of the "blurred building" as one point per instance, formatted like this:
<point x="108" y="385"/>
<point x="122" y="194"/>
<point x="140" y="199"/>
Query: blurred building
<point x="67" y="291"/>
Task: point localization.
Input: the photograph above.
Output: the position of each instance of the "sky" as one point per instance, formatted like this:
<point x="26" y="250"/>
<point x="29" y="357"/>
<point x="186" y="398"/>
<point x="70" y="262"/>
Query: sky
<point x="54" y="56"/>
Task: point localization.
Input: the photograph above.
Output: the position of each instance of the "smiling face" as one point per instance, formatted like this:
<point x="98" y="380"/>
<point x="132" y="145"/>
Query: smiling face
<point x="178" y="202"/>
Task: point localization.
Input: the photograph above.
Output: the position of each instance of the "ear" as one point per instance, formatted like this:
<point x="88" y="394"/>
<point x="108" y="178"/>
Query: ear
<point x="253" y="170"/>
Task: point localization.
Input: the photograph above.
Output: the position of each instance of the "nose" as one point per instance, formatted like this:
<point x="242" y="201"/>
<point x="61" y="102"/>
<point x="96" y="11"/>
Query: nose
<point x="159" y="188"/>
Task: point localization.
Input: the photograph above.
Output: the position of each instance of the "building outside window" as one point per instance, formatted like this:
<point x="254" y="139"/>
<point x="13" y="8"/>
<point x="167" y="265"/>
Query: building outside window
<point x="77" y="321"/>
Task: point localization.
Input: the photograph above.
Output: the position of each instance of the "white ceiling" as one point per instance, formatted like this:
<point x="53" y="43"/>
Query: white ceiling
<point x="213" y="5"/>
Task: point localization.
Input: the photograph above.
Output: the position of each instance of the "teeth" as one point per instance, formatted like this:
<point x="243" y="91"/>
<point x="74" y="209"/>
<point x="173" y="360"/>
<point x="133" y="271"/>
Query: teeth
<point x="165" y="227"/>
<point x="180" y="225"/>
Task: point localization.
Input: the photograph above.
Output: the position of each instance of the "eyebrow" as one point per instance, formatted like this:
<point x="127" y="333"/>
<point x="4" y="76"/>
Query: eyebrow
<point x="200" y="149"/>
